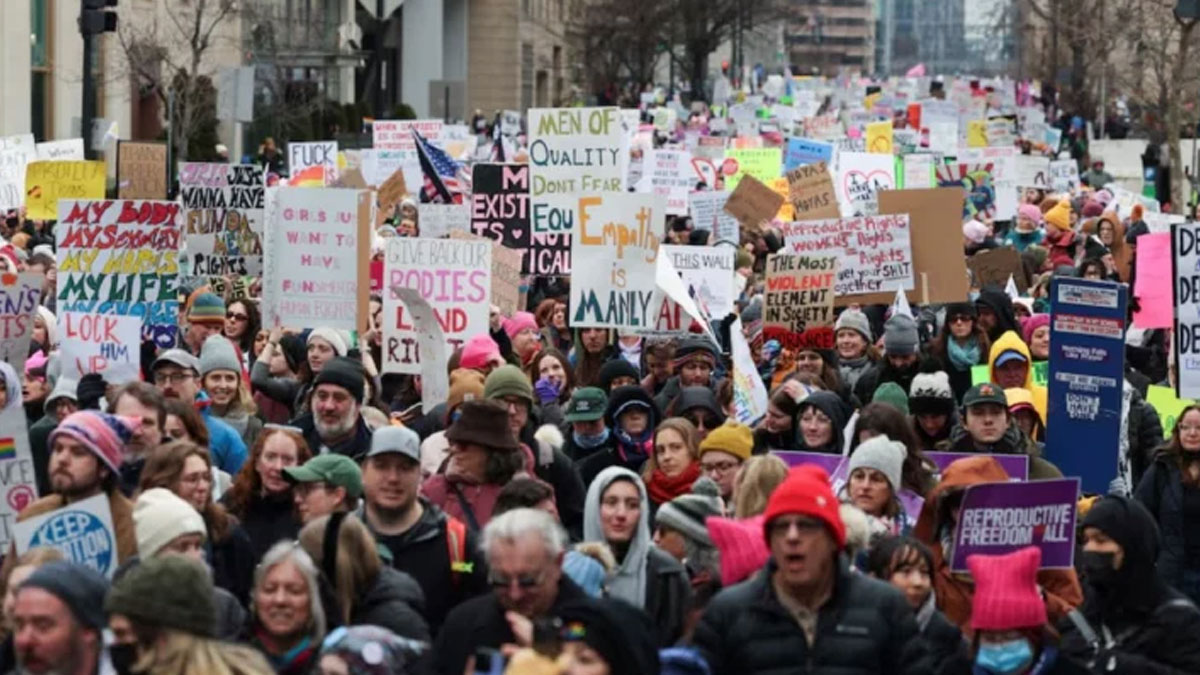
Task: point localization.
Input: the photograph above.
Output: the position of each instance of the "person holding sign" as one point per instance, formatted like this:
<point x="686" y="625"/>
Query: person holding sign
<point x="987" y="427"/>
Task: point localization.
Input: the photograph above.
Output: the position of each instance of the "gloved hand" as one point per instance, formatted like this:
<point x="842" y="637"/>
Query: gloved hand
<point x="90" y="390"/>
<point x="547" y="390"/>
<point x="1118" y="486"/>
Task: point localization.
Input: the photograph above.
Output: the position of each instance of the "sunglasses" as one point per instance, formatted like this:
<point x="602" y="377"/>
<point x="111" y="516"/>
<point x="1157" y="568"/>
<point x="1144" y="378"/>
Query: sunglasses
<point x="524" y="581"/>
<point x="236" y="316"/>
<point x="961" y="318"/>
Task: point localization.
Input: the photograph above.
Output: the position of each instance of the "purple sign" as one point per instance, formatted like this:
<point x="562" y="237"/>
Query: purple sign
<point x="834" y="465"/>
<point x="999" y="518"/>
<point x="1016" y="466"/>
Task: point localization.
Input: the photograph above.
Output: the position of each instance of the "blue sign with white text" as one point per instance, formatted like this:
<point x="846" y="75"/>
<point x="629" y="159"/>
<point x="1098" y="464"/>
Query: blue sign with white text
<point x="802" y="152"/>
<point x="1087" y="371"/>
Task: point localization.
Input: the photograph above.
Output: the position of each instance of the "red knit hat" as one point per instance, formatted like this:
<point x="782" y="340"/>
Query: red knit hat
<point x="1006" y="590"/>
<point x="806" y="491"/>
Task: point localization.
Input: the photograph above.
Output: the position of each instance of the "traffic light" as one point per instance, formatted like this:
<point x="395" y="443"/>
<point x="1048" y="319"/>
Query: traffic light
<point x="95" y="17"/>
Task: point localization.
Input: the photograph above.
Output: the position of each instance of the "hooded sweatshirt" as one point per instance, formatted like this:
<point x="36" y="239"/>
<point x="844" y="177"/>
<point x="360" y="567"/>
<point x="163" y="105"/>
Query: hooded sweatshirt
<point x="833" y="407"/>
<point x="1011" y="341"/>
<point x="1001" y="305"/>
<point x="956" y="591"/>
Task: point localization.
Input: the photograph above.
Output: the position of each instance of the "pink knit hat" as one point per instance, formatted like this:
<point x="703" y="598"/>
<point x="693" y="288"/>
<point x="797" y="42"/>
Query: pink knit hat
<point x="479" y="352"/>
<point x="1033" y="323"/>
<point x="519" y="322"/>
<point x="1030" y="211"/>
<point x="102" y="433"/>
<point x="743" y="549"/>
<point x="1006" y="590"/>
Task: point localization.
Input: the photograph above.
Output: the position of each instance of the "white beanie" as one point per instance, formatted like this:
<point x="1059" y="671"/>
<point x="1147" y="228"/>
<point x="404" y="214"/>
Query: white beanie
<point x="330" y="335"/>
<point x="882" y="454"/>
<point x="159" y="516"/>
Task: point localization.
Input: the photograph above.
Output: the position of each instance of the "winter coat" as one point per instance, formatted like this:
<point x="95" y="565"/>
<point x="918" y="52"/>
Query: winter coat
<point x="226" y="445"/>
<point x="1145" y="432"/>
<point x="1061" y="246"/>
<point x="864" y="389"/>
<point x="394" y="602"/>
<point x="941" y="639"/>
<point x="1013" y="442"/>
<point x="267" y="520"/>
<point x="765" y="440"/>
<point x="1161" y="491"/>
<point x="284" y="390"/>
<point x="355" y="447"/>
<point x="39" y="450"/>
<point x="424" y="554"/>
<point x="232" y="560"/>
<point x="866" y="627"/>
<point x="852" y="369"/>
<point x="552" y="466"/>
<point x="1001" y="305"/>
<point x="479" y="500"/>
<point x="1011" y="341"/>
<point x="955" y="592"/>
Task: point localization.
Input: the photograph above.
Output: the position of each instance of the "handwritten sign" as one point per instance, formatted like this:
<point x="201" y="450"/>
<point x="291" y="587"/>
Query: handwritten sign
<point x="1033" y="172"/>
<point x="121" y="257"/>
<point x="453" y="276"/>
<point x="761" y="163"/>
<point x="874" y="252"/>
<point x="437" y="221"/>
<point x="799" y="295"/>
<point x="707" y="210"/>
<point x="83" y="531"/>
<point x="861" y="176"/>
<point x="618" y="237"/>
<point x="18" y="483"/>
<point x="811" y="193"/>
<point x="995" y="266"/>
<point x="46" y="182"/>
<point x="223" y="218"/>
<point x="303" y="156"/>
<point x="500" y="204"/>
<point x="101" y="343"/>
<point x="396" y="150"/>
<point x="802" y="151"/>
<point x="879" y="137"/>
<point x="1064" y="175"/>
<point x="141" y="170"/>
<point x="19" y="298"/>
<point x="572" y="151"/>
<point x="15" y="153"/>
<point x="59" y="151"/>
<point x="669" y="174"/>
<point x="709" y="273"/>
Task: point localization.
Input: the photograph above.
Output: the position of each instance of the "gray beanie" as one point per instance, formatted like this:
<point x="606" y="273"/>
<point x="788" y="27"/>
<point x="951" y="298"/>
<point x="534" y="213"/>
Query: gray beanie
<point x="882" y="454"/>
<point x="218" y="354"/>
<point x="79" y="587"/>
<point x="65" y="388"/>
<point x="900" y="335"/>
<point x="855" y="320"/>
<point x="687" y="513"/>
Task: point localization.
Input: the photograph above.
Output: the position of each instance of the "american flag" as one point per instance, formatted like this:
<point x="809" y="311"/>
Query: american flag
<point x="442" y="181"/>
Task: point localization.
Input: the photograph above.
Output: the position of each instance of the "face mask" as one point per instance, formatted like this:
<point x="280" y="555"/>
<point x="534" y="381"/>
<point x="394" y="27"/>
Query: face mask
<point x="1003" y="658"/>
<point x="1098" y="568"/>
<point x="590" y="441"/>
<point x="123" y="656"/>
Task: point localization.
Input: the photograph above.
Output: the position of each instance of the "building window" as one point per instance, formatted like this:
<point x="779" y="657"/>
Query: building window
<point x="526" y="76"/>
<point x="41" y="119"/>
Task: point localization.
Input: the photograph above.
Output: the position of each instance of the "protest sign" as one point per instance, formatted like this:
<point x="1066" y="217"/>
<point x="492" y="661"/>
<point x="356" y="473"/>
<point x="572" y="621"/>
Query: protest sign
<point x="311" y="272"/>
<point x="506" y="274"/>
<point x="977" y="134"/>
<point x="810" y="191"/>
<point x="573" y="151"/>
<point x="431" y="342"/>
<point x="1001" y="131"/>
<point x="781" y="188"/>
<point x="303" y="156"/>
<point x="1152" y="285"/>
<point x="669" y="174"/>
<point x="453" y="276"/>
<point x="141" y="170"/>
<point x="861" y="176"/>
<point x="392" y="191"/>
<point x="100" y="343"/>
<point x="1167" y="405"/>
<point x="1064" y="175"/>
<point x="936" y="243"/>
<point x="879" y="137"/>
<point x="999" y="518"/>
<point x="18" y="481"/>
<point x="1033" y="171"/>
<point x="802" y="151"/>
<point x="15" y="153"/>
<point x="995" y="267"/>
<point x="61" y="151"/>
<point x="705" y="171"/>
<point x="798" y="295"/>
<point x="1161" y="222"/>
<point x="20" y="296"/>
<point x="617" y="235"/>
<point x="82" y="531"/>
<point x="1185" y="250"/>
<point x="673" y="307"/>
<point x="708" y="213"/>
<point x="1087" y="369"/>
<point x="918" y="171"/>
<point x="223" y="218"/>
<point x="1016" y="466"/>
<point x="1041" y="373"/>
<point x="749" y="392"/>
<point x="989" y="175"/>
<point x="834" y="465"/>
<point x="753" y="202"/>
<point x="711" y="148"/>
<point x="396" y="149"/>
<point x="46" y="182"/>
<point x="709" y="272"/>
<point x="500" y="205"/>
<point x="436" y="221"/>
<point x="761" y="163"/>
<point x="874" y="252"/>
<point x="121" y="257"/>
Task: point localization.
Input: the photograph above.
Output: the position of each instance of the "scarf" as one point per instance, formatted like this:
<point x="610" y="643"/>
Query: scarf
<point x="664" y="488"/>
<point x="634" y="451"/>
<point x="239" y="421"/>
<point x="591" y="442"/>
<point x="963" y="358"/>
<point x="295" y="660"/>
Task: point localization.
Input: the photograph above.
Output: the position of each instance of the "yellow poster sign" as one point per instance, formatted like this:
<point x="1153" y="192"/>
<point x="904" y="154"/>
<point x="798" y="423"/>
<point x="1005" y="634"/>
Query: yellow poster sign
<point x="879" y="137"/>
<point x="977" y="134"/>
<point x="48" y="182"/>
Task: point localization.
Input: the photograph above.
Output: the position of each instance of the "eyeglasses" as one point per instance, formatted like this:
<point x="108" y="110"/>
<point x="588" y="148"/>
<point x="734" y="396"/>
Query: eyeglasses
<point x="718" y="467"/>
<point x="782" y="526"/>
<point x="236" y="316"/>
<point x="173" y="378"/>
<point x="524" y="581"/>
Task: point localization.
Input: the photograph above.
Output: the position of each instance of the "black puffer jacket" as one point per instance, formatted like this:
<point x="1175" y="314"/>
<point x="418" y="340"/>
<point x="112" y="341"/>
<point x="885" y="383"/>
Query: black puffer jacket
<point x="395" y="602"/>
<point x="866" y="628"/>
<point x="1161" y="492"/>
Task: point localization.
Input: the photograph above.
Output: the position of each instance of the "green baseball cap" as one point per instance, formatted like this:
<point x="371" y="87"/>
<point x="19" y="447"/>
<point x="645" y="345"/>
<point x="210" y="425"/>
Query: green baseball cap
<point x="985" y="392"/>
<point x="337" y="470"/>
<point x="587" y="404"/>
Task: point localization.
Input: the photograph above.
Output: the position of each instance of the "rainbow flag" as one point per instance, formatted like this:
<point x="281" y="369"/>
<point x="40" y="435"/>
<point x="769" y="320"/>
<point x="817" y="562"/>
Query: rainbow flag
<point x="313" y="176"/>
<point x="8" y="448"/>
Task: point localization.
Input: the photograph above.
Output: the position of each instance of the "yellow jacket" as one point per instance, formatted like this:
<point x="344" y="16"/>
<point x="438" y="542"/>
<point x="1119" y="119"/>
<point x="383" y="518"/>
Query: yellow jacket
<point x="1011" y="341"/>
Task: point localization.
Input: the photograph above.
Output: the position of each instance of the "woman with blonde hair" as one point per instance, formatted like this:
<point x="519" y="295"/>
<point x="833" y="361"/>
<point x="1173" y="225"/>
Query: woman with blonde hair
<point x="185" y="469"/>
<point x="367" y="591"/>
<point x="755" y="482"/>
<point x="674" y="465"/>
<point x="221" y="376"/>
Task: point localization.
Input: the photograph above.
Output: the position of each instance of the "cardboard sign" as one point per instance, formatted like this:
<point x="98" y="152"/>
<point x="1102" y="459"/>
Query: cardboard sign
<point x="1087" y="370"/>
<point x="16" y="152"/>
<point x="761" y="163"/>
<point x="707" y="210"/>
<point x="454" y="276"/>
<point x="223" y="218"/>
<point x="70" y="149"/>
<point x="810" y="191"/>
<point x="303" y="156"/>
<point x="753" y="202"/>
<point x="83" y="531"/>
<point x="573" y="151"/>
<point x="311" y="271"/>
<point x="798" y="296"/>
<point x="709" y="274"/>
<point x="1064" y="175"/>
<point x="141" y="170"/>
<point x="874" y="252"/>
<point x="618" y="237"/>
<point x="392" y="191"/>
<point x="861" y="177"/>
<point x="802" y="151"/>
<point x="1016" y="466"/>
<point x="506" y="279"/>
<point x="121" y="257"/>
<point x="20" y="296"/>
<point x="46" y="182"/>
<point x="749" y="392"/>
<point x="100" y="343"/>
<point x="995" y="266"/>
<point x="999" y="518"/>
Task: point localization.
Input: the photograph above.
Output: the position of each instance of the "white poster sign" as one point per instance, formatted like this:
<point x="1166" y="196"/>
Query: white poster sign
<point x="83" y="531"/>
<point x="572" y="152"/>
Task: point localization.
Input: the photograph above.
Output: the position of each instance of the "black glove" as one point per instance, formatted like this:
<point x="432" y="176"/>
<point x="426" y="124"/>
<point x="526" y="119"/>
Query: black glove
<point x="90" y="390"/>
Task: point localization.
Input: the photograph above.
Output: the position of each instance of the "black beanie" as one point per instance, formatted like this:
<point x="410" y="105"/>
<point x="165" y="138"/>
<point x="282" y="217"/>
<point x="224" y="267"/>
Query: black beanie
<point x="614" y="368"/>
<point x="345" y="373"/>
<point x="619" y="632"/>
